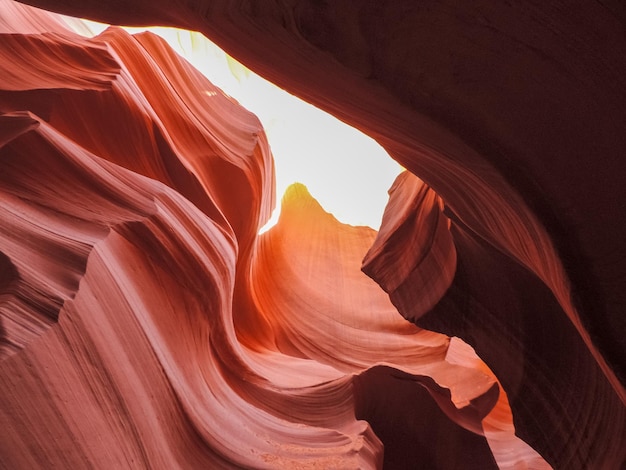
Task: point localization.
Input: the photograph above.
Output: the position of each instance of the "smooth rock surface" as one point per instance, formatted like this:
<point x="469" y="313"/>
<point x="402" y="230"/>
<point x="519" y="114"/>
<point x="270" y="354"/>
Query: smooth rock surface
<point x="130" y="242"/>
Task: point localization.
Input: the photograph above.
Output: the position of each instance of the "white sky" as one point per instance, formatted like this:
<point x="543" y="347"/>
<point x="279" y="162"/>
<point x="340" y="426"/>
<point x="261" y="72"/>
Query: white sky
<point x="345" y="170"/>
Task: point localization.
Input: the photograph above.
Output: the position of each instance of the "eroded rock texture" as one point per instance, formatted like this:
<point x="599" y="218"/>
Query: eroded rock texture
<point x="145" y="324"/>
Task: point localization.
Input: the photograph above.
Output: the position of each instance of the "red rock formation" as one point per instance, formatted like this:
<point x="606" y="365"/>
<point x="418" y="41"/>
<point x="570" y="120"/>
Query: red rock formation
<point x="513" y="114"/>
<point x="132" y="301"/>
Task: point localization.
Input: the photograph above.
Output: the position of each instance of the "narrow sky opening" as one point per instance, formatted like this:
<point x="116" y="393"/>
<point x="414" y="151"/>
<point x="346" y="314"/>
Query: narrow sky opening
<point x="346" y="171"/>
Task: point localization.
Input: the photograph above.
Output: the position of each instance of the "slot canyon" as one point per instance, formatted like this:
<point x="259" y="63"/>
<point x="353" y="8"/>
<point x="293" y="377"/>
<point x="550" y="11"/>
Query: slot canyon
<point x="146" y="323"/>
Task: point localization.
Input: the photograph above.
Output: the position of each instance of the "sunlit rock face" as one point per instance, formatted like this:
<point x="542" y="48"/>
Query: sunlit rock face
<point x="145" y="324"/>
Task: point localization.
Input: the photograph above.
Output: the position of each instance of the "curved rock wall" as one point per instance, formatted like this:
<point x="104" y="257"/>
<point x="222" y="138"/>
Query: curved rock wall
<point x="127" y="250"/>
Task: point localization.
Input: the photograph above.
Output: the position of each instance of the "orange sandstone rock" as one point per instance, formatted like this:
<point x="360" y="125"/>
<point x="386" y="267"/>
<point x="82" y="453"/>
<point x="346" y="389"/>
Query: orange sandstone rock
<point x="134" y="291"/>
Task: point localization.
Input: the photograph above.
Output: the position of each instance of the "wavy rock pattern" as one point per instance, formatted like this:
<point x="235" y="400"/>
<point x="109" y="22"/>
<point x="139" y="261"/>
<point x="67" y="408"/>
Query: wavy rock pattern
<point x="144" y="324"/>
<point x="413" y="257"/>
<point x="135" y="293"/>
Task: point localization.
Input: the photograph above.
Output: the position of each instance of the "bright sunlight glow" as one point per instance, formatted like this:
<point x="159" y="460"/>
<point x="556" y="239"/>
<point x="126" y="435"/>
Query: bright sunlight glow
<point x="345" y="170"/>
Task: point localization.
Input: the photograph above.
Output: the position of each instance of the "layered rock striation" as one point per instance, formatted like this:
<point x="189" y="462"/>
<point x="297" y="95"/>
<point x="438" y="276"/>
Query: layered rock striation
<point x="145" y="324"/>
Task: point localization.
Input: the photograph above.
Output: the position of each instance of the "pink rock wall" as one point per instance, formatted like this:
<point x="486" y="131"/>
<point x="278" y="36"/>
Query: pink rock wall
<point x="144" y="324"/>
